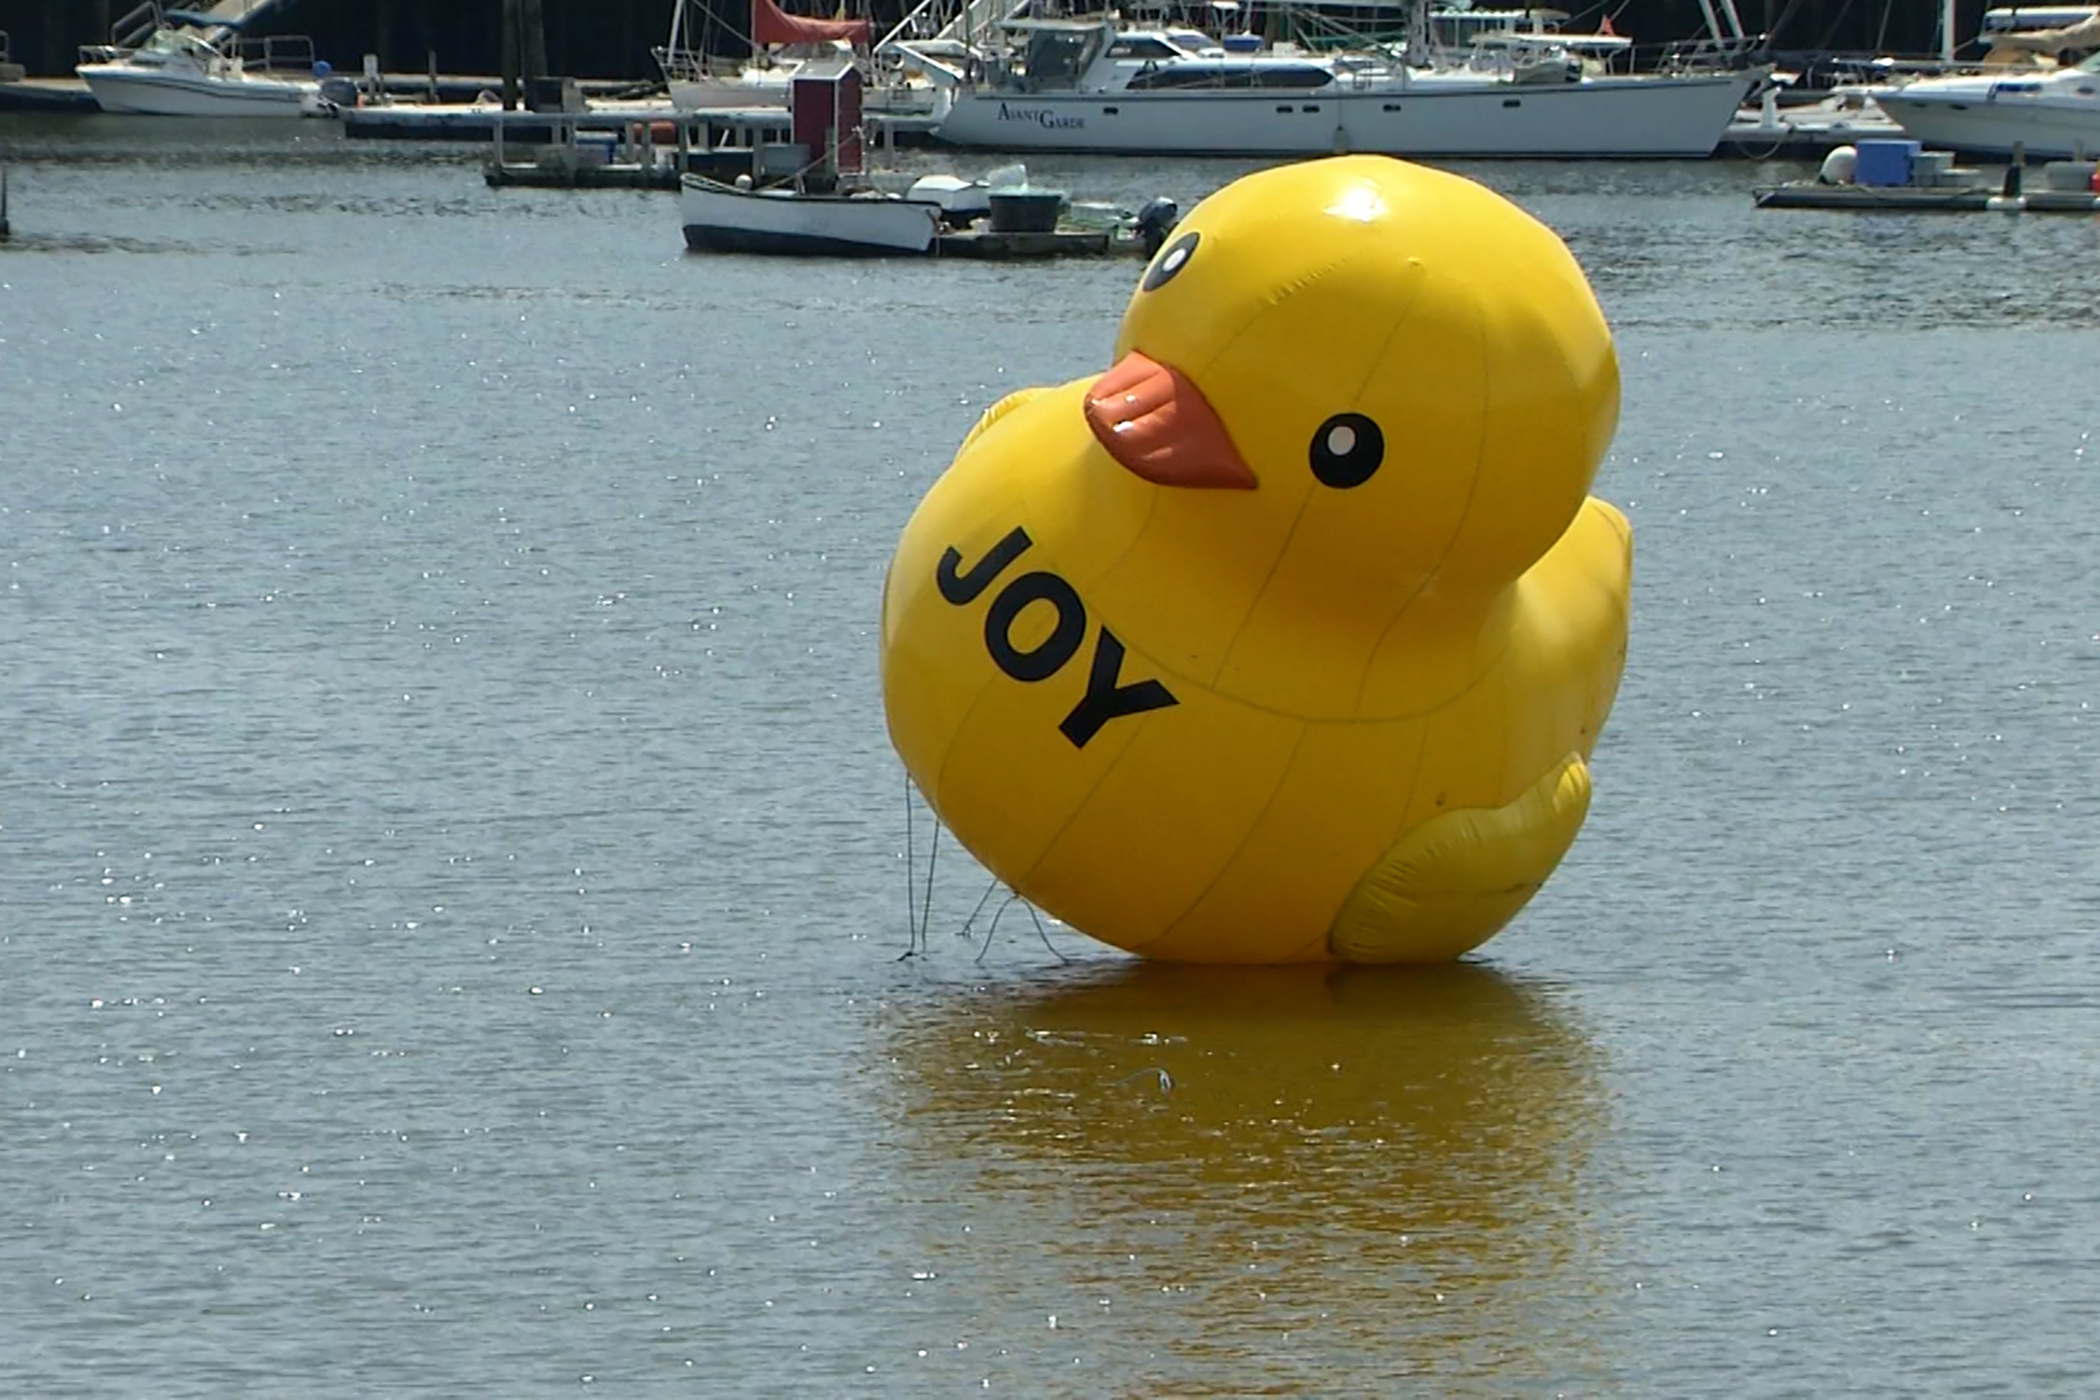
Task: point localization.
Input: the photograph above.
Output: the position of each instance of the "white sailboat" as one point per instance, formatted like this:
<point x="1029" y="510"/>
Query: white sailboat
<point x="1098" y="86"/>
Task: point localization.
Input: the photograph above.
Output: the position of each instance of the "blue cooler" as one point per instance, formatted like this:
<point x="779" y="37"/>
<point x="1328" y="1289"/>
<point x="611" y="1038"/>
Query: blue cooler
<point x="596" y="147"/>
<point x="1885" y="162"/>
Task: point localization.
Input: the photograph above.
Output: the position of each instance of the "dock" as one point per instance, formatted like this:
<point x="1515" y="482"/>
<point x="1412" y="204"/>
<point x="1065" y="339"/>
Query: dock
<point x="554" y="168"/>
<point x="480" y="121"/>
<point x="637" y="145"/>
<point x="391" y="92"/>
<point x="1900" y="176"/>
<point x="576" y="175"/>
<point x="1811" y="195"/>
<point x="633" y="147"/>
<point x="1808" y="132"/>
<point x="51" y="95"/>
<point x="647" y="149"/>
<point x="988" y="245"/>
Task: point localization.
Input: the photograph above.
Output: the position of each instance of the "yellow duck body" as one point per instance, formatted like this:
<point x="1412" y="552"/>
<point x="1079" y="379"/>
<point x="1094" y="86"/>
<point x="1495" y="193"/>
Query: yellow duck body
<point x="1323" y="686"/>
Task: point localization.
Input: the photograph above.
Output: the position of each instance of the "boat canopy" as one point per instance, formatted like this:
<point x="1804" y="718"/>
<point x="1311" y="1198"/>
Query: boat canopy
<point x="772" y="25"/>
<point x="2082" y="32"/>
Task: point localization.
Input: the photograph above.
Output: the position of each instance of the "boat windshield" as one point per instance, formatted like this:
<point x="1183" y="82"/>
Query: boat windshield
<point x="1056" y="58"/>
<point x="1142" y="46"/>
<point x="176" y="41"/>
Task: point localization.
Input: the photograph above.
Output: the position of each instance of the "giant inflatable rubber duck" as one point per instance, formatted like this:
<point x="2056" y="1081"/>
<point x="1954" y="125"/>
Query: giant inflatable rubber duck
<point x="1289" y="637"/>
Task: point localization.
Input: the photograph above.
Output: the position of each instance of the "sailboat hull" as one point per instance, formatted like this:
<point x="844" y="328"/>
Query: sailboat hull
<point x="1604" y="117"/>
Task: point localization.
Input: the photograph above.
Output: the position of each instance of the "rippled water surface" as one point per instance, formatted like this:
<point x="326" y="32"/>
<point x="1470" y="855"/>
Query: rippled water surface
<point x="452" y="871"/>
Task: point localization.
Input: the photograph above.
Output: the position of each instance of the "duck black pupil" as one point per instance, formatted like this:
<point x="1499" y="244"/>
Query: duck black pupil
<point x="1175" y="258"/>
<point x="1346" y="450"/>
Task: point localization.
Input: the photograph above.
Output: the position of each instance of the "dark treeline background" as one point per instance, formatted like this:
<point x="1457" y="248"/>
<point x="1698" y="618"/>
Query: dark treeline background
<point x="612" y="38"/>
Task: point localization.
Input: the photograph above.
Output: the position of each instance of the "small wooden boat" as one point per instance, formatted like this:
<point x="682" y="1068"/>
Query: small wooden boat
<point x="725" y="218"/>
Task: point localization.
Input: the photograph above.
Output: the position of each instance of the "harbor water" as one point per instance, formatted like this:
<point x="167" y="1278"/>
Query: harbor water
<point x="453" y="875"/>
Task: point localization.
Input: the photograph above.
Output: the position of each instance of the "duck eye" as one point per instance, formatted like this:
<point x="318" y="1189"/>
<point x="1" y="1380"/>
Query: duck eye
<point x="1175" y="258"/>
<point x="1346" y="450"/>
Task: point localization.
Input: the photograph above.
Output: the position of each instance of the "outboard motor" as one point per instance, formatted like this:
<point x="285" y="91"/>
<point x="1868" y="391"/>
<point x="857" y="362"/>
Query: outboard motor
<point x="338" y="90"/>
<point x="1155" y="221"/>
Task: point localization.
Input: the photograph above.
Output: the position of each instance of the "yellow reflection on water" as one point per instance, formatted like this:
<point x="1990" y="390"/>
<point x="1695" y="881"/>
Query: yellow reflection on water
<point x="1236" y="1178"/>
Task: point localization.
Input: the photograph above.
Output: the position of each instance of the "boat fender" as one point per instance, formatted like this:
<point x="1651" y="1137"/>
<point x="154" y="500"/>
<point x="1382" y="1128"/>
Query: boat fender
<point x="1839" y="166"/>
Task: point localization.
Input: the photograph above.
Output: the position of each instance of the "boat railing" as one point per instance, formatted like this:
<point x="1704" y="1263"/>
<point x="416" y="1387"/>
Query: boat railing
<point x="277" y="51"/>
<point x="134" y="28"/>
<point x="1709" y="54"/>
<point x="692" y="66"/>
<point x="1320" y="31"/>
<point x="946" y="19"/>
<point x="137" y="26"/>
<point x="921" y="21"/>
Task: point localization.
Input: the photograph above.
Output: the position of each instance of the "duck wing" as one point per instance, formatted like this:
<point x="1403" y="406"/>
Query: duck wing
<point x="1450" y="883"/>
<point x="997" y="411"/>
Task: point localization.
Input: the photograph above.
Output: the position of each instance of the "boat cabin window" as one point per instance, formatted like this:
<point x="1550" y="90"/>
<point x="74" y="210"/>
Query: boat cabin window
<point x="1296" y="76"/>
<point x="1141" y="46"/>
<point x="1057" y="57"/>
<point x="174" y="41"/>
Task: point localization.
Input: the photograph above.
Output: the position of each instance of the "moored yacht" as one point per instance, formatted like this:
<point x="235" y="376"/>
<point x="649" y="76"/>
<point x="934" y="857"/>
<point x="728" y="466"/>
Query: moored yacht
<point x="2047" y="113"/>
<point x="1096" y="86"/>
<point x="189" y="64"/>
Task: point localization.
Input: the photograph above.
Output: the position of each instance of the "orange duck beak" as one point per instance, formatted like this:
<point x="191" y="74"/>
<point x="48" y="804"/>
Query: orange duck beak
<point x="1158" y="425"/>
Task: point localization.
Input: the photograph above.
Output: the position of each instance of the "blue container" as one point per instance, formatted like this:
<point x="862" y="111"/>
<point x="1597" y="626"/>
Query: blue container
<point x="1885" y="162"/>
<point x="596" y="147"/>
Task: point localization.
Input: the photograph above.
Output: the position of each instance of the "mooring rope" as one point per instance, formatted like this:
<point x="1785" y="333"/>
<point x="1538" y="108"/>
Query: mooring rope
<point x="911" y="865"/>
<point x="918" y="899"/>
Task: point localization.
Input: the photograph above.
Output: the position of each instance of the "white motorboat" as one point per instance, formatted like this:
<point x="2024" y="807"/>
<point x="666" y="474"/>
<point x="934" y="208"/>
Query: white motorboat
<point x="1094" y="86"/>
<point x="726" y="218"/>
<point x="192" y="65"/>
<point x="2049" y="114"/>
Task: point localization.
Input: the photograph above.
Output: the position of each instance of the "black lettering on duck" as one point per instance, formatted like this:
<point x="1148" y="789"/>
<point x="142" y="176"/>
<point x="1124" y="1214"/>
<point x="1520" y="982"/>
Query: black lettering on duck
<point x="1105" y="700"/>
<point x="964" y="588"/>
<point x="1106" y="697"/>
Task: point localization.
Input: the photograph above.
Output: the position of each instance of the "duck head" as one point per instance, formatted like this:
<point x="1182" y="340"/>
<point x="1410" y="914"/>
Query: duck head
<point x="1368" y="382"/>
